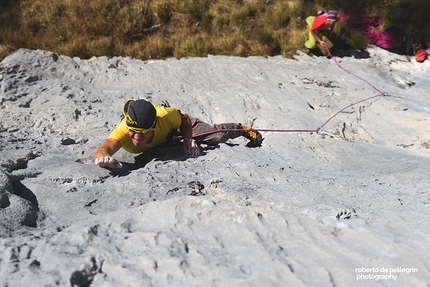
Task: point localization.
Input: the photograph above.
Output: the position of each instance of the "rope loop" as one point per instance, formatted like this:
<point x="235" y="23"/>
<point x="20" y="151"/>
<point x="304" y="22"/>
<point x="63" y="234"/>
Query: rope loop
<point x="380" y="94"/>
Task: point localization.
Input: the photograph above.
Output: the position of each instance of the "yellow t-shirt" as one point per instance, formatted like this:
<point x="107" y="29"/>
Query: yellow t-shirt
<point x="168" y="120"/>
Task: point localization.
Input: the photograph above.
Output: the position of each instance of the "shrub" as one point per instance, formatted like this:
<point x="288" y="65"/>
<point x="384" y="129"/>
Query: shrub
<point x="163" y="10"/>
<point x="196" y="8"/>
<point x="265" y="35"/>
<point x="278" y="16"/>
<point x="162" y="28"/>
<point x="196" y="46"/>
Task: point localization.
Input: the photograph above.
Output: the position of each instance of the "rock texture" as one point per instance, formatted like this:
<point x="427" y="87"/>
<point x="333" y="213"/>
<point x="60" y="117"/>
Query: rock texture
<point x="305" y="209"/>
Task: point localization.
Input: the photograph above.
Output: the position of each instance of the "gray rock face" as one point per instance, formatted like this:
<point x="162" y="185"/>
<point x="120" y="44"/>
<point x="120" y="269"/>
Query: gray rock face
<point x="345" y="206"/>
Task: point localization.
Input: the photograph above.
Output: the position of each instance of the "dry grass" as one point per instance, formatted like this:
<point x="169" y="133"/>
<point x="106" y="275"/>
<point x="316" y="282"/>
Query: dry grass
<point x="179" y="28"/>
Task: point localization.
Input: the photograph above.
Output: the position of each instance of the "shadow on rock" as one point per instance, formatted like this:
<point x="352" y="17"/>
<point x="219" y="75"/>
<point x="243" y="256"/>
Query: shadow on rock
<point x="17" y="207"/>
<point x="22" y="191"/>
<point x="357" y="54"/>
<point x="166" y="152"/>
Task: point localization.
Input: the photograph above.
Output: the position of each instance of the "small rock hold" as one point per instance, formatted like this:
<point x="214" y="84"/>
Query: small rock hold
<point x="35" y="264"/>
<point x="73" y="189"/>
<point x="67" y="141"/>
<point x="55" y="57"/>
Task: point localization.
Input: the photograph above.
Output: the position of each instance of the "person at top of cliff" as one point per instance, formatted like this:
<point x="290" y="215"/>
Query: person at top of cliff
<point x="321" y="29"/>
<point x="146" y="126"/>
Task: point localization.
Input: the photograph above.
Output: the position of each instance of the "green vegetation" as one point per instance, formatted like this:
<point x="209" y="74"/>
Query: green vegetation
<point x="180" y="28"/>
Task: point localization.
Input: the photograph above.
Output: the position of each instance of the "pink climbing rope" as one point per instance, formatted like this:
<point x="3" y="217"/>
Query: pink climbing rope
<point x="349" y="72"/>
<point x="380" y="94"/>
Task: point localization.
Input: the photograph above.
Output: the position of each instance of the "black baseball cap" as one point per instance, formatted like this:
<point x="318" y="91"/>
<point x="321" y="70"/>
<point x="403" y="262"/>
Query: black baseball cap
<point x="140" y="115"/>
